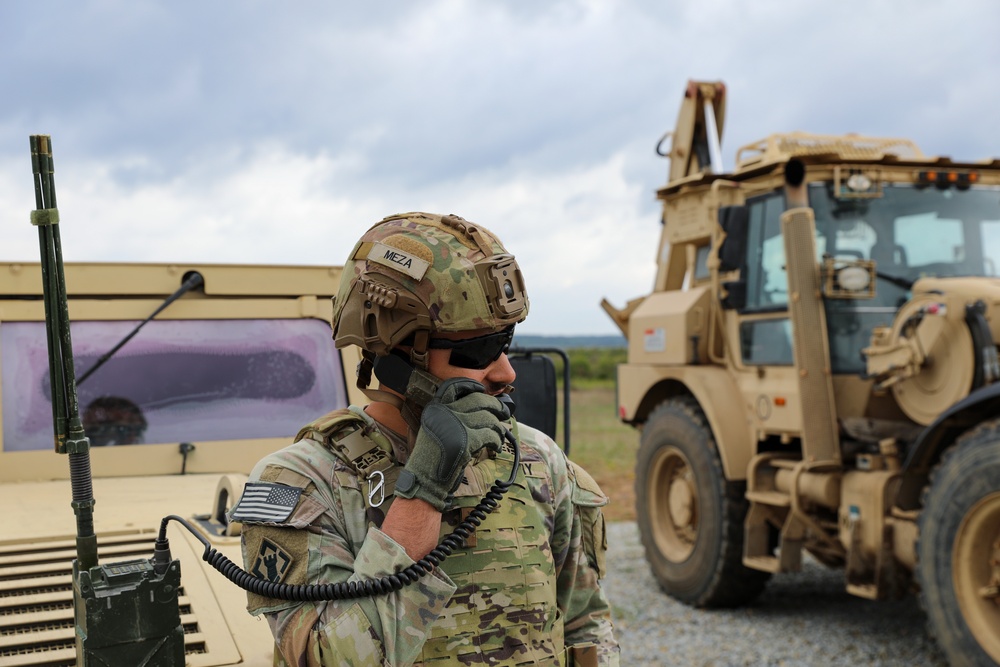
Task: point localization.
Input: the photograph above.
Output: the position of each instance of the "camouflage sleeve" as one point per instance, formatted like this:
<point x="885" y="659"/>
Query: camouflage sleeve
<point x="579" y="545"/>
<point x="320" y="543"/>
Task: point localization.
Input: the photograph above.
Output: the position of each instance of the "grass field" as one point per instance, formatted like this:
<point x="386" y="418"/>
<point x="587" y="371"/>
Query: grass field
<point x="603" y="445"/>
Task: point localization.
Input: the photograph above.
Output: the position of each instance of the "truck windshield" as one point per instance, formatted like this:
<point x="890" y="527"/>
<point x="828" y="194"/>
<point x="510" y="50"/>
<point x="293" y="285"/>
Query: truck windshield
<point x="912" y="233"/>
<point x="178" y="381"/>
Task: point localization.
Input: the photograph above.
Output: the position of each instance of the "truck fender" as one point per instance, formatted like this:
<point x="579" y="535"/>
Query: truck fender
<point x="721" y="401"/>
<point x="981" y="405"/>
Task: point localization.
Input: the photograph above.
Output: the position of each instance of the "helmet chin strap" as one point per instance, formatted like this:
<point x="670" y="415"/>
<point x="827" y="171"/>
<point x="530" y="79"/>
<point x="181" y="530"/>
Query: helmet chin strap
<point x="412" y="386"/>
<point x="409" y="409"/>
<point x="364" y="373"/>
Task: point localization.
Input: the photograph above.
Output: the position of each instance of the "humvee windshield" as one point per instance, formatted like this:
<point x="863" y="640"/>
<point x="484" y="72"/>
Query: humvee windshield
<point x="909" y="232"/>
<point x="178" y="381"/>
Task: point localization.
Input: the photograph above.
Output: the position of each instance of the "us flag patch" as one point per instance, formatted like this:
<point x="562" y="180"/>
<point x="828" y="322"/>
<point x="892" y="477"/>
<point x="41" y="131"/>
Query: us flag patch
<point x="263" y="501"/>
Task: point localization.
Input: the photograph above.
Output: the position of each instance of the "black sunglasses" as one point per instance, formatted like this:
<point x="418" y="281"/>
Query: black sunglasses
<point x="475" y="353"/>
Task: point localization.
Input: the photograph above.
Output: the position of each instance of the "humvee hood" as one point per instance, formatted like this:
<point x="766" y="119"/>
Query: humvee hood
<point x="37" y="548"/>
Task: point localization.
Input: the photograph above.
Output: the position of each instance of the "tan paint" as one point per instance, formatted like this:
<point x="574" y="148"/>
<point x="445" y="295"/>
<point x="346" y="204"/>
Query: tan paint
<point x="932" y="366"/>
<point x="162" y="279"/>
<point x="851" y="394"/>
<point x="763" y="388"/>
<point x="715" y="391"/>
<point x="141" y="460"/>
<point x="870" y="493"/>
<point x="820" y="443"/>
<point x="761" y="393"/>
<point x="904" y="539"/>
<point x="670" y="328"/>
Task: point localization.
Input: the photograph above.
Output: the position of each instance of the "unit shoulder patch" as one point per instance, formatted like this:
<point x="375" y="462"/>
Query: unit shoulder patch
<point x="272" y="562"/>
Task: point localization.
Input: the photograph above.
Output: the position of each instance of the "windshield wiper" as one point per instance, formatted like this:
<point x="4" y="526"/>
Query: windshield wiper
<point x="194" y="280"/>
<point x="905" y="283"/>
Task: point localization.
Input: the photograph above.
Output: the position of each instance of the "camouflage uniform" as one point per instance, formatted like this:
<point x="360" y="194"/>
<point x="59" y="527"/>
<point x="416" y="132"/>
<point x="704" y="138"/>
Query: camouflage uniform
<point x="522" y="587"/>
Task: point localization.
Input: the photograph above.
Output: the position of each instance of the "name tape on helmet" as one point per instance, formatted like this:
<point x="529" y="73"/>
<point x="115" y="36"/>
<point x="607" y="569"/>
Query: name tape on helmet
<point x="395" y="258"/>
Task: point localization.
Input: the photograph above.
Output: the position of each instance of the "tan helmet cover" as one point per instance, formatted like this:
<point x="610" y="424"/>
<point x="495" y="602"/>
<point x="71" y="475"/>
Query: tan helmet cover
<point x="420" y="273"/>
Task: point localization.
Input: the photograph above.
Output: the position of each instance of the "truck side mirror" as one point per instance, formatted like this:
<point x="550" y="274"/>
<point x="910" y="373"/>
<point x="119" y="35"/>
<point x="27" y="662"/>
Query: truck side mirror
<point x="732" y="254"/>
<point x="536" y="392"/>
<point x="736" y="295"/>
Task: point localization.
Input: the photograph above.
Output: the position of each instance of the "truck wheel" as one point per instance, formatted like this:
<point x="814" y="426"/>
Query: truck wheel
<point x="958" y="551"/>
<point x="690" y="518"/>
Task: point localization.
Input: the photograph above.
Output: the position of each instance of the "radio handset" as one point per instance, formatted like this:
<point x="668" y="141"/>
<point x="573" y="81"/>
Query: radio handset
<point x="396" y="373"/>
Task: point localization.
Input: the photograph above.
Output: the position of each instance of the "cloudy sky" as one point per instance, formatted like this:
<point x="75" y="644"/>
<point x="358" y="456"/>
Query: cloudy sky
<point x="277" y="132"/>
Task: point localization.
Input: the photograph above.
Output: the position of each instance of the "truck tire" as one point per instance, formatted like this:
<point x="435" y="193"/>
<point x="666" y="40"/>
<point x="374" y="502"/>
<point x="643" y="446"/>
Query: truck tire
<point x="690" y="518"/>
<point x="958" y="549"/>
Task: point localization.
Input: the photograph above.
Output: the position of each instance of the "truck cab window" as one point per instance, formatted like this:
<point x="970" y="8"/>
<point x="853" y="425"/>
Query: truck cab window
<point x="701" y="263"/>
<point x="767" y="282"/>
<point x="930" y="240"/>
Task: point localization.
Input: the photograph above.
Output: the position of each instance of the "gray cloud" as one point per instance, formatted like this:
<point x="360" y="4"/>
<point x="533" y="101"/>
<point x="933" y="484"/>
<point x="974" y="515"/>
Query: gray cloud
<point x="250" y="126"/>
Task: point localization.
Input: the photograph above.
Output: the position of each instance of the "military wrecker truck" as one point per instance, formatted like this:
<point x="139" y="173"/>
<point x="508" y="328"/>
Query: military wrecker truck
<point x="815" y="371"/>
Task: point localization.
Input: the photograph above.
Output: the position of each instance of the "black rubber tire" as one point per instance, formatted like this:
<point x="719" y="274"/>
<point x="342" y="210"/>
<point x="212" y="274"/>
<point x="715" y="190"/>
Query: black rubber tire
<point x="698" y="558"/>
<point x="959" y="534"/>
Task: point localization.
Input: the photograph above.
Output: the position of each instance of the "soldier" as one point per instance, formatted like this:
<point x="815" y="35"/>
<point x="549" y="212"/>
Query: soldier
<point x="364" y="492"/>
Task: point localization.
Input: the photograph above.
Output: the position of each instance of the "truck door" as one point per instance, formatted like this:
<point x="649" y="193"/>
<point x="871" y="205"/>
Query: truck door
<point x="760" y="334"/>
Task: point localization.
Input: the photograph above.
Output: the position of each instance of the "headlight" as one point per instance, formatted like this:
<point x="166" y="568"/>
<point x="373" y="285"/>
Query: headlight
<point x="853" y="278"/>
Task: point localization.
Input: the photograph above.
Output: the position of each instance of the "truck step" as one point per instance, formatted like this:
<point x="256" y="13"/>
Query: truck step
<point x="772" y="498"/>
<point x="868" y="591"/>
<point x="763" y="563"/>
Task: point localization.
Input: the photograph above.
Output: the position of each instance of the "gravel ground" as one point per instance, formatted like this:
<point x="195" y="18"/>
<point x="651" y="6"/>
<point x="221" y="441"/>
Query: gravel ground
<point x="804" y="618"/>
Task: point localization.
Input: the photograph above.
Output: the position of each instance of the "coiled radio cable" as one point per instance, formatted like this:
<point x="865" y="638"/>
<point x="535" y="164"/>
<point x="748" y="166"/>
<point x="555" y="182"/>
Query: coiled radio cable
<point x="344" y="590"/>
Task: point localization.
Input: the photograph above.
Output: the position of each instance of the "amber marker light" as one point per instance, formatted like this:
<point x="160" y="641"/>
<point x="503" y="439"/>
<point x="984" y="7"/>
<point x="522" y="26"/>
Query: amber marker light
<point x="779" y="401"/>
<point x="966" y="180"/>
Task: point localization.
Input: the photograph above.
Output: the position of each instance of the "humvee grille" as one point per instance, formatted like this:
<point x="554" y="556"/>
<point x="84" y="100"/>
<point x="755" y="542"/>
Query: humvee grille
<point x="36" y="599"/>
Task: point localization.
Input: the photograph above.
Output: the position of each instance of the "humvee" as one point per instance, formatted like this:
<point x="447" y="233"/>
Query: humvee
<point x="177" y="417"/>
<point x="815" y="371"/>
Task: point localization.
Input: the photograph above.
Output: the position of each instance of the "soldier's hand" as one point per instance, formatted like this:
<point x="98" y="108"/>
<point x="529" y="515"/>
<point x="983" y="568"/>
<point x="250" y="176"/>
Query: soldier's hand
<point x="460" y="421"/>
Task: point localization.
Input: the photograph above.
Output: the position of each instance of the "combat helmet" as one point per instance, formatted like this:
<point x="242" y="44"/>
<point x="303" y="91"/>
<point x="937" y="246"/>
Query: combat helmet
<point x="415" y="274"/>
